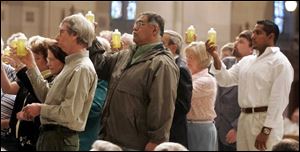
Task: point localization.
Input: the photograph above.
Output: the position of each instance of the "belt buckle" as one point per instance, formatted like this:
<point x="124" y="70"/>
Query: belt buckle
<point x="252" y="110"/>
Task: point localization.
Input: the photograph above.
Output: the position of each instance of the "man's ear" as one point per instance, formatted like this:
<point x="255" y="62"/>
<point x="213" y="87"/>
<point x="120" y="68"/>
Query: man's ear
<point x="271" y="36"/>
<point x="155" y="30"/>
<point x="74" y="36"/>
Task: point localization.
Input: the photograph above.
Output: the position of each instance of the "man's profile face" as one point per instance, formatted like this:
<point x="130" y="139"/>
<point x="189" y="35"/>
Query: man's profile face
<point x="242" y="47"/>
<point x="143" y="31"/>
<point x="259" y="37"/>
<point x="166" y="40"/>
<point x="64" y="39"/>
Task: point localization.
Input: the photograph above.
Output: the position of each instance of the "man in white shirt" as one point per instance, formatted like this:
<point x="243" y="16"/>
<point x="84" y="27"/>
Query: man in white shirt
<point x="264" y="81"/>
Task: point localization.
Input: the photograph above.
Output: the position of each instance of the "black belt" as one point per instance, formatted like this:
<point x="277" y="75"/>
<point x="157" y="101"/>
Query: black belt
<point x="51" y="127"/>
<point x="256" y="109"/>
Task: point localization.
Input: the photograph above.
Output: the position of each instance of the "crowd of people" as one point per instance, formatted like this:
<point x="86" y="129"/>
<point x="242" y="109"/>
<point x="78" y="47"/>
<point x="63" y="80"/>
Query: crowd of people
<point x="156" y="92"/>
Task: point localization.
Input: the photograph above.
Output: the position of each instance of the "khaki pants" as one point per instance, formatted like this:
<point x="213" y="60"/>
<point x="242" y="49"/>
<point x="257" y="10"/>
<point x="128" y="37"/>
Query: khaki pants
<point x="58" y="139"/>
<point x="250" y="125"/>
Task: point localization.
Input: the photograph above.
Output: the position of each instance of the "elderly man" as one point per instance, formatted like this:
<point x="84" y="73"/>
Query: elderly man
<point x="67" y="102"/>
<point x="173" y="41"/>
<point x="142" y="89"/>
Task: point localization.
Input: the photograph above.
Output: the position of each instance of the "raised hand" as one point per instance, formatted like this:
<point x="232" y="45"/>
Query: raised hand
<point x="13" y="60"/>
<point x="28" y="59"/>
<point x="211" y="48"/>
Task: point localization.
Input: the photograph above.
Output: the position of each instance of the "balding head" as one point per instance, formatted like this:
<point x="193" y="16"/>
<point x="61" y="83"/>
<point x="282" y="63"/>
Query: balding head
<point x="170" y="146"/>
<point x="101" y="145"/>
<point x="286" y="145"/>
<point x="174" y="38"/>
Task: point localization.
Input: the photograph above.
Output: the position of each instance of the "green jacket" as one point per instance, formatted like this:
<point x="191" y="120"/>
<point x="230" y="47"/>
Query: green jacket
<point x="141" y="96"/>
<point x="92" y="127"/>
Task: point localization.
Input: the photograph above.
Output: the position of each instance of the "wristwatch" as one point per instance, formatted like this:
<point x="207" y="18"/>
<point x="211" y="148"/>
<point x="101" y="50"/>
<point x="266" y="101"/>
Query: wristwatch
<point x="266" y="130"/>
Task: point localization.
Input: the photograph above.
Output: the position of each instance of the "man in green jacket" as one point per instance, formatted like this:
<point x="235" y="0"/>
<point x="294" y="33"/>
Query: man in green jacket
<point x="142" y="88"/>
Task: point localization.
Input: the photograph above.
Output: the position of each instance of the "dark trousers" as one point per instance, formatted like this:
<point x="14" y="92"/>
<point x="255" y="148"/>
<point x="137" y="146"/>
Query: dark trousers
<point x="57" y="138"/>
<point x="223" y="147"/>
<point x="26" y="147"/>
<point x="9" y="143"/>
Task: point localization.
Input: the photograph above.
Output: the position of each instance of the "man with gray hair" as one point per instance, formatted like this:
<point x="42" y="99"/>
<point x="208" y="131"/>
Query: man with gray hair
<point x="173" y="41"/>
<point x="67" y="102"/>
<point x="143" y="81"/>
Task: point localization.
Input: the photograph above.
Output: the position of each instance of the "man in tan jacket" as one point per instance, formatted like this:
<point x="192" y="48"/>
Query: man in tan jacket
<point x="67" y="101"/>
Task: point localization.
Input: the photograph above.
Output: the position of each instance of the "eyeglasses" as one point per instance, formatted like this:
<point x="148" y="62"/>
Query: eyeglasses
<point x="68" y="30"/>
<point x="61" y="31"/>
<point x="138" y="24"/>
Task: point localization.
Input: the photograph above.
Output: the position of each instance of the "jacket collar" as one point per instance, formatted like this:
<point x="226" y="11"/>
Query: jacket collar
<point x="157" y="49"/>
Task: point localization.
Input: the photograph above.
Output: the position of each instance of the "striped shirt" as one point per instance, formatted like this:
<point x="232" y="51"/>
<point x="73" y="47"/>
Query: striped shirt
<point x="7" y="100"/>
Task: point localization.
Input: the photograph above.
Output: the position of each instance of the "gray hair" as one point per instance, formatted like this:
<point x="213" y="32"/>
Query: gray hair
<point x="35" y="39"/>
<point x="155" y="18"/>
<point x="170" y="146"/>
<point x="106" y="34"/>
<point x="80" y="26"/>
<point x="175" y="38"/>
<point x="104" y="42"/>
<point x="101" y="145"/>
<point x="127" y="39"/>
<point x="198" y="49"/>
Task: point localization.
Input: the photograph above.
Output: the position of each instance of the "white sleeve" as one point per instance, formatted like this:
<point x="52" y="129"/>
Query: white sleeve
<point x="226" y="78"/>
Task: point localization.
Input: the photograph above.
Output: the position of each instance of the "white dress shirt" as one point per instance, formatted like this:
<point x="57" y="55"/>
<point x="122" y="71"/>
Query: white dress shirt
<point x="263" y="80"/>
